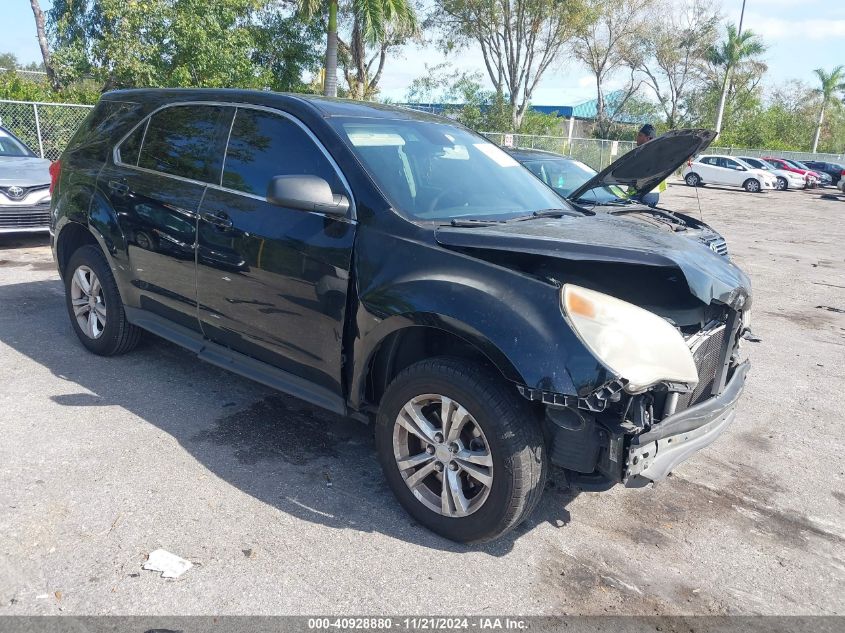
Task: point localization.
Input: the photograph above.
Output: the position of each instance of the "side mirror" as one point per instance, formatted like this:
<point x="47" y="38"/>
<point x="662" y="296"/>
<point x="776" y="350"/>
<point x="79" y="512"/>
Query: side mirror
<point x="306" y="193"/>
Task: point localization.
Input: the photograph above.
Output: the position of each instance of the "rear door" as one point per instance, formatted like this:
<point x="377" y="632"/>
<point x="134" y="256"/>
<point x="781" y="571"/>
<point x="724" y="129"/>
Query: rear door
<point x="273" y="281"/>
<point x="155" y="185"/>
<point x="709" y="171"/>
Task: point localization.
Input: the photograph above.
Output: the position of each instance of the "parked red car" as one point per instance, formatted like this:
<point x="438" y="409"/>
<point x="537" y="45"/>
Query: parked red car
<point x="811" y="177"/>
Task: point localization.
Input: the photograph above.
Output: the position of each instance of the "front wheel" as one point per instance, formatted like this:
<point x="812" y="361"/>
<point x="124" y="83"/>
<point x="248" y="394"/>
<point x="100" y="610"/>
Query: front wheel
<point x="782" y="184"/>
<point x="460" y="450"/>
<point x="752" y="185"/>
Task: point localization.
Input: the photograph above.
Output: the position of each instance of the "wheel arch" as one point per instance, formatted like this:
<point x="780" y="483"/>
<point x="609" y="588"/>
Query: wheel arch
<point x="406" y="340"/>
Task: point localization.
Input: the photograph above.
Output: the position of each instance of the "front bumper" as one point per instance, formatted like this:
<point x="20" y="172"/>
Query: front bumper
<point x="653" y="455"/>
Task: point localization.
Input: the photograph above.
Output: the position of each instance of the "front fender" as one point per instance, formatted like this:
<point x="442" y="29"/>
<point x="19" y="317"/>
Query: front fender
<point x="513" y="318"/>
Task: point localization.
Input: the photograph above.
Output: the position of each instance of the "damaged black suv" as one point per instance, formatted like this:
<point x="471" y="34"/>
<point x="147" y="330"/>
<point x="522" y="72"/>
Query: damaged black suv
<point x="397" y="268"/>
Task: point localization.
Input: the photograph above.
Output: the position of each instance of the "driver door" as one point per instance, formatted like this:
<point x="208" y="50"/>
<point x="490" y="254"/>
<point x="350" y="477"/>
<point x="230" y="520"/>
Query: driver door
<point x="272" y="282"/>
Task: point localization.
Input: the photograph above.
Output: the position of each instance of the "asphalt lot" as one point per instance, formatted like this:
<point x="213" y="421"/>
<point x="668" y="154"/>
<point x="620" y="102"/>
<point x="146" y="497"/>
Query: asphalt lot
<point x="283" y="508"/>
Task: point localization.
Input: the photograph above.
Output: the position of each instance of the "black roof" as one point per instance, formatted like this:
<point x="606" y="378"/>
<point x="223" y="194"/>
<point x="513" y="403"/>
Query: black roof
<point x="325" y="106"/>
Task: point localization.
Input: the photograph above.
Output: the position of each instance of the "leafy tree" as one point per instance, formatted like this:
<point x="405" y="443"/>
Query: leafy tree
<point x="831" y="83"/>
<point x="519" y="40"/>
<point x="674" y="52"/>
<point x="727" y="56"/>
<point x="8" y="61"/>
<point x="609" y="45"/>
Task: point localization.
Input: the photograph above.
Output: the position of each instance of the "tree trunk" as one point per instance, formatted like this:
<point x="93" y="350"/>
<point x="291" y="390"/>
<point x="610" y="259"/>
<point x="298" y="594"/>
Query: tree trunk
<point x="721" y="111"/>
<point x="818" y="129"/>
<point x="330" y="84"/>
<point x="42" y="42"/>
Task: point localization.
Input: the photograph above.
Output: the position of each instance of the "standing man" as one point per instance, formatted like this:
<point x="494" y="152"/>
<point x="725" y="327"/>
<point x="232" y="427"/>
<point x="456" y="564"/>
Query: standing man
<point x="646" y="134"/>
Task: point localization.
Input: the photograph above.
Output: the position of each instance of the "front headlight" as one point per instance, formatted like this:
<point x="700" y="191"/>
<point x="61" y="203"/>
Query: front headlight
<point x="640" y="346"/>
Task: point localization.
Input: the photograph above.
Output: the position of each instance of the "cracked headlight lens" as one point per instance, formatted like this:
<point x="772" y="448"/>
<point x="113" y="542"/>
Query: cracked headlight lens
<point x="640" y="346"/>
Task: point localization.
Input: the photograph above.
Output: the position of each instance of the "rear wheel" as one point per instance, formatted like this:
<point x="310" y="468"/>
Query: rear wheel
<point x="692" y="179"/>
<point x="94" y="305"/>
<point x="461" y="452"/>
<point x="782" y="184"/>
<point x="752" y="185"/>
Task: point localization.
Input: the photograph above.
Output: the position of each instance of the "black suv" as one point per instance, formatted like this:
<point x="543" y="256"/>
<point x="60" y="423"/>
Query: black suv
<point x="397" y="268"/>
<point x="833" y="170"/>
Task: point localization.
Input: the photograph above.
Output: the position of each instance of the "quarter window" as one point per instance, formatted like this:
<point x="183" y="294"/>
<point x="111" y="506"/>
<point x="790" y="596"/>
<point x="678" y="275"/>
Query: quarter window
<point x="263" y="145"/>
<point x="186" y="141"/>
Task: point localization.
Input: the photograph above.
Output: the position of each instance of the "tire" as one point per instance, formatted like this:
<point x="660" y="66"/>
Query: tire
<point x="110" y="333"/>
<point x="752" y="185"/>
<point x="692" y="179"/>
<point x="783" y="184"/>
<point x="499" y="429"/>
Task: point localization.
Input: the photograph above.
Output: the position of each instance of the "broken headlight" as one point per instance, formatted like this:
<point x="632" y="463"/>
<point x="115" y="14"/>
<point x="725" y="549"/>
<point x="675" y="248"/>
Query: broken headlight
<point x="638" y="345"/>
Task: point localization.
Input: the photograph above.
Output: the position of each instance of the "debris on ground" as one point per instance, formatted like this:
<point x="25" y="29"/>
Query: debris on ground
<point x="170" y="565"/>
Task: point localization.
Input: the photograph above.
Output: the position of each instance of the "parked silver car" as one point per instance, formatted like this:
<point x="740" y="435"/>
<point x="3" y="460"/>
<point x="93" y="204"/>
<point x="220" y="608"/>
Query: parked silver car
<point x="24" y="187"/>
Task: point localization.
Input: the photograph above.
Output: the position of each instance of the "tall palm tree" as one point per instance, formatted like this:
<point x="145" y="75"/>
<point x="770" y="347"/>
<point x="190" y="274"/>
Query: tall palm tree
<point x="372" y="17"/>
<point x="832" y="83"/>
<point x="728" y="54"/>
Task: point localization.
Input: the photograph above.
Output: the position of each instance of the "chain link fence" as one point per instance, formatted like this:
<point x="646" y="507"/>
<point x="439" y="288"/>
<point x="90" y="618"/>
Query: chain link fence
<point x="45" y="127"/>
<point x="598" y="153"/>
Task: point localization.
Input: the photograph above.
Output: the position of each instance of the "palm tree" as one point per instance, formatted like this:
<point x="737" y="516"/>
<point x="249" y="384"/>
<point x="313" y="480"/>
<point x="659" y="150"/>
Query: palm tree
<point x="371" y="17"/>
<point x="737" y="48"/>
<point x="832" y="83"/>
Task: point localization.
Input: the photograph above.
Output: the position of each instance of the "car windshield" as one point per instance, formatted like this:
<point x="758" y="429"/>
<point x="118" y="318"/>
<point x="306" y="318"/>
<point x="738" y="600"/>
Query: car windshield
<point x="795" y="163"/>
<point x="434" y="171"/>
<point x="12" y="147"/>
<point x="565" y="175"/>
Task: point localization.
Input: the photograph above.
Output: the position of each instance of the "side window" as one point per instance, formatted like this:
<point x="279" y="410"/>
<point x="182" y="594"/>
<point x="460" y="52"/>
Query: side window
<point x="708" y="161"/>
<point x="263" y="145"/>
<point x="731" y="164"/>
<point x="131" y="147"/>
<point x="186" y="141"/>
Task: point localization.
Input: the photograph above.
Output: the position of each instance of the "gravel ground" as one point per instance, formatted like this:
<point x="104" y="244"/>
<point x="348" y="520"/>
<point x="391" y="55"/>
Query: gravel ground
<point x="283" y="509"/>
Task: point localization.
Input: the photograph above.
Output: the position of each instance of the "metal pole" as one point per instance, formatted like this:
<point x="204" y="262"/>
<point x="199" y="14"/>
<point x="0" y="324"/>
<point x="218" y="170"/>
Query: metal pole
<point x="38" y="130"/>
<point x="741" y="17"/>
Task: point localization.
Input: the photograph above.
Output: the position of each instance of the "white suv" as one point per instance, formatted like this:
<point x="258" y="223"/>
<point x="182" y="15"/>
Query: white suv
<point x="727" y="170"/>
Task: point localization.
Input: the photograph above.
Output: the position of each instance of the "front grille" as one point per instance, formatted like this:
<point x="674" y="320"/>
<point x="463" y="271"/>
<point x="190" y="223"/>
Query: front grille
<point x="25" y="217"/>
<point x="717" y="245"/>
<point x="707" y="347"/>
<point x="24" y="191"/>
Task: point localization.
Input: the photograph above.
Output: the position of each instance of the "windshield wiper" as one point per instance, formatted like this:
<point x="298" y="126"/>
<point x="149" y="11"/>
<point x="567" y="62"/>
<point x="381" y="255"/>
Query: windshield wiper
<point x="545" y="213"/>
<point x="471" y="222"/>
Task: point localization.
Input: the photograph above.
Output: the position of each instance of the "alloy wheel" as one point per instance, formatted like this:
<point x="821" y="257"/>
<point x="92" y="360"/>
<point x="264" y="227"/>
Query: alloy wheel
<point x="88" y="301"/>
<point x="443" y="456"/>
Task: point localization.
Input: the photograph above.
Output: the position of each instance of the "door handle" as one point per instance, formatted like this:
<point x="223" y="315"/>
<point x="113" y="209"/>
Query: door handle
<point x="118" y="187"/>
<point x="218" y="218"/>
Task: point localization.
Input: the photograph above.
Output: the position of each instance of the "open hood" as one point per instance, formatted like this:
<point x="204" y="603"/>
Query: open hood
<point x="646" y="166"/>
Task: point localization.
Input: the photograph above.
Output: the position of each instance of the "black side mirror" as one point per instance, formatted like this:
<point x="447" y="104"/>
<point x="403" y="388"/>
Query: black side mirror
<point x="306" y="193"/>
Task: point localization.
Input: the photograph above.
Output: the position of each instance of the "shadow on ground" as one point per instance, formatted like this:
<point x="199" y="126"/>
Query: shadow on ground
<point x="304" y="461"/>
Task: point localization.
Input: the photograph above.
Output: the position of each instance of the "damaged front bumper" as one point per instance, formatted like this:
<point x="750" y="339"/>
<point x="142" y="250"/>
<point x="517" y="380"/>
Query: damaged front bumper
<point x="653" y="455"/>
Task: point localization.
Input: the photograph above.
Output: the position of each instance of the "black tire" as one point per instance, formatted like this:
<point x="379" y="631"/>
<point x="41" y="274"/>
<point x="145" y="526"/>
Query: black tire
<point x="783" y="183"/>
<point x="692" y="179"/>
<point x="752" y="185"/>
<point x="513" y="435"/>
<point x="118" y="335"/>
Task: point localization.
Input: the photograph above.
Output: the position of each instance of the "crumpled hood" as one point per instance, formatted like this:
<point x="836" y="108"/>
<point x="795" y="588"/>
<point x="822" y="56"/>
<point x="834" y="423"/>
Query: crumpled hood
<point x="24" y="171"/>
<point x="607" y="238"/>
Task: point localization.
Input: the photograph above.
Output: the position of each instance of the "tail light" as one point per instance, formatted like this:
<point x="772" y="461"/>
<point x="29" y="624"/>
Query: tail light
<point x="55" y="172"/>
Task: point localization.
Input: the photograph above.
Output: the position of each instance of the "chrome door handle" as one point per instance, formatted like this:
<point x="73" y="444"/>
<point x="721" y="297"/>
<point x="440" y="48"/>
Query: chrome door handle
<point x="218" y="219"/>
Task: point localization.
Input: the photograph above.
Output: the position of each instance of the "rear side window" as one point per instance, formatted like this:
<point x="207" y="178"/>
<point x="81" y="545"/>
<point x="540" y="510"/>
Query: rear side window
<point x="185" y="141"/>
<point x="263" y="145"/>
<point x="131" y="147"/>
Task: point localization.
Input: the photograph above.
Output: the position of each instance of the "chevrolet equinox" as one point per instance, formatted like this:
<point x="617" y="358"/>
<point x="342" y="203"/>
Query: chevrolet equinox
<point x="397" y="268"/>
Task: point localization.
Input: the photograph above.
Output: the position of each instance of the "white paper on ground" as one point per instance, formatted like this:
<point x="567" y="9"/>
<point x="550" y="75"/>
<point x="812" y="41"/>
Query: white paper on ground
<point x="170" y="565"/>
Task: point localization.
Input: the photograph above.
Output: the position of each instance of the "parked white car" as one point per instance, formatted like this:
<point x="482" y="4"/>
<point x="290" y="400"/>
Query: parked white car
<point x="727" y="170"/>
<point x="786" y="179"/>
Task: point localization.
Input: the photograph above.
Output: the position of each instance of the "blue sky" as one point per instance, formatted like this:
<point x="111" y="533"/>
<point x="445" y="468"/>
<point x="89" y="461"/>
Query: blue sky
<point x="801" y="35"/>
